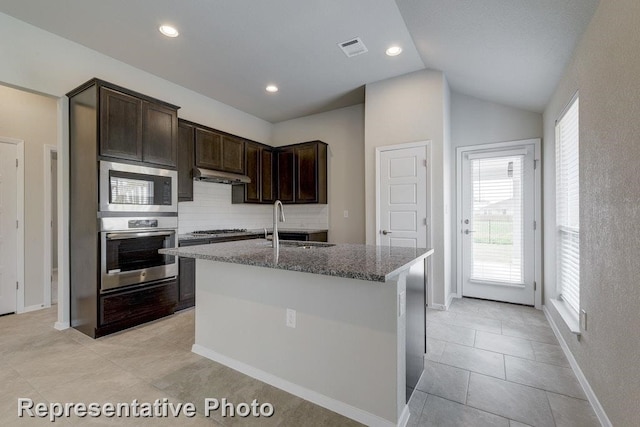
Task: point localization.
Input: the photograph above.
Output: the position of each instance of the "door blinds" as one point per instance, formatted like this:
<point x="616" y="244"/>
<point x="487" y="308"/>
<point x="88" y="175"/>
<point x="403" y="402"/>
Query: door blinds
<point x="497" y="219"/>
<point x="567" y="207"/>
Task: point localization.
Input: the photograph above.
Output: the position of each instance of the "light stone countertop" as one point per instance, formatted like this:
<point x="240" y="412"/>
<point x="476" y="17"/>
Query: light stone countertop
<point x="353" y="261"/>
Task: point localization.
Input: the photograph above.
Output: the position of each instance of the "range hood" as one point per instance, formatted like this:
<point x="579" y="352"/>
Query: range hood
<point x="209" y="175"/>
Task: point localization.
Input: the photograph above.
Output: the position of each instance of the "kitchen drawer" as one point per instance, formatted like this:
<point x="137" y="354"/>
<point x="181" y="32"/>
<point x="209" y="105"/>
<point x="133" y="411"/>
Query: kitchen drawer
<point x="129" y="308"/>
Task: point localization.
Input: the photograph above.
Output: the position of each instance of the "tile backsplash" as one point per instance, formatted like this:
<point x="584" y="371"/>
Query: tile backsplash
<point x="212" y="208"/>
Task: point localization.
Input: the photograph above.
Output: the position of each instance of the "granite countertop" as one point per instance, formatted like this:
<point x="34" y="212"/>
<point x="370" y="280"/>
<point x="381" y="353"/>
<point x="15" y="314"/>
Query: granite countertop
<point x="353" y="261"/>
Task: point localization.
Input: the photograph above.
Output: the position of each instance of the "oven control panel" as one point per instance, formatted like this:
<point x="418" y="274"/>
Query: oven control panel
<point x="143" y="223"/>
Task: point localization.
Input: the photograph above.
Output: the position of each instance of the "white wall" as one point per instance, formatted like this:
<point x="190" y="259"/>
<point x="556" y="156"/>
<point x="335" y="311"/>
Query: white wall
<point x="605" y="69"/>
<point x="343" y="130"/>
<point x="32" y="118"/>
<point x="475" y="121"/>
<point x="211" y="208"/>
<point x="404" y="109"/>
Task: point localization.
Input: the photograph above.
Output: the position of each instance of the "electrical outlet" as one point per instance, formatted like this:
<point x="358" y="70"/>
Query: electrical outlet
<point x="346" y="214"/>
<point x="291" y="318"/>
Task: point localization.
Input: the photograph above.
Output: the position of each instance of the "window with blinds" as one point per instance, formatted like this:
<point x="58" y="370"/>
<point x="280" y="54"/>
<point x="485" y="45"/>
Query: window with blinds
<point x="567" y="207"/>
<point x="497" y="219"/>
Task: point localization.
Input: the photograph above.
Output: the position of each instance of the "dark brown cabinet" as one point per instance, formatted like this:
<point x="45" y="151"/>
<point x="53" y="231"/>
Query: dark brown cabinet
<point x="186" y="283"/>
<point x="120" y="125"/>
<point x="186" y="134"/>
<point x="259" y="166"/>
<point x="137" y="128"/>
<point x="302" y="173"/>
<point x="219" y="151"/>
<point x="286" y="175"/>
<point x="159" y="135"/>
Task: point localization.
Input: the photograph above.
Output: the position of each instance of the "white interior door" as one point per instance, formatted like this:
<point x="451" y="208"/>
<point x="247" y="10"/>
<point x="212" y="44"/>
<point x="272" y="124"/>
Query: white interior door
<point x="8" y="229"/>
<point x="403" y="197"/>
<point x="498" y="240"/>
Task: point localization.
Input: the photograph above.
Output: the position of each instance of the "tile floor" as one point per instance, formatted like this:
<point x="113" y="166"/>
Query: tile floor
<point x="487" y="364"/>
<point x="150" y="362"/>
<point x="496" y="364"/>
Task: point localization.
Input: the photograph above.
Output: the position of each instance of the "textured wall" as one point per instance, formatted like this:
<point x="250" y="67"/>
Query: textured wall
<point x="343" y="130"/>
<point x="475" y="121"/>
<point x="606" y="70"/>
<point x="32" y="118"/>
<point x="404" y="109"/>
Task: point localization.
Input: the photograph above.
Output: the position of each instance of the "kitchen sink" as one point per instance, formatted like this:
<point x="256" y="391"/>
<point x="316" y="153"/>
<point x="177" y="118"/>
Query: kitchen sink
<point x="299" y="244"/>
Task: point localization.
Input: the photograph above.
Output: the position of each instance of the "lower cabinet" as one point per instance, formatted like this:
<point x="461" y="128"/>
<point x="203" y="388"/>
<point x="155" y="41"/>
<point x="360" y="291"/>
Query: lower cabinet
<point x="122" y="310"/>
<point x="186" y="283"/>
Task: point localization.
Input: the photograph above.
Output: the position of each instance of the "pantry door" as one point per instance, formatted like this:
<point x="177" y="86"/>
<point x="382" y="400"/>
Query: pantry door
<point x="498" y="224"/>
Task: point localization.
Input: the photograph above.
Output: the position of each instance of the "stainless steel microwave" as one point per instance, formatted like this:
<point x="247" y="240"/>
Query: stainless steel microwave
<point x="133" y="188"/>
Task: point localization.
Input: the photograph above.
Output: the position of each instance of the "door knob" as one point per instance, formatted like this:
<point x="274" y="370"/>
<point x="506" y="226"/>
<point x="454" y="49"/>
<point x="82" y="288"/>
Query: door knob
<point x="385" y="232"/>
<point x="467" y="231"/>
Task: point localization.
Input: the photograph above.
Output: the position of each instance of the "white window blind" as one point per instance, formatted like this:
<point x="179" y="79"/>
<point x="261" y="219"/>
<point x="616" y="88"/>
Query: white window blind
<point x="567" y="207"/>
<point x="497" y="248"/>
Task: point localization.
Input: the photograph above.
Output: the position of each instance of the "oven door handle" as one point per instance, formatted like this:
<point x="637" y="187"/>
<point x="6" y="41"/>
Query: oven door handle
<point x="122" y="236"/>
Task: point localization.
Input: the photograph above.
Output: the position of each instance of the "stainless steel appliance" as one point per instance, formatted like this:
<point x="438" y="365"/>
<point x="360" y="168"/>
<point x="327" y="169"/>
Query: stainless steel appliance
<point x="129" y="250"/>
<point x="133" y="188"/>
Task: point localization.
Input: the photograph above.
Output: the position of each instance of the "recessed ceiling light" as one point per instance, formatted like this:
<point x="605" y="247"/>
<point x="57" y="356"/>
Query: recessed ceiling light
<point x="394" y="51"/>
<point x="169" y="31"/>
<point x="272" y="88"/>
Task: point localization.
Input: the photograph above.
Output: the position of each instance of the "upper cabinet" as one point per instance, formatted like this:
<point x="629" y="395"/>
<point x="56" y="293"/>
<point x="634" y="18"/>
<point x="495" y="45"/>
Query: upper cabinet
<point x="135" y="127"/>
<point x="218" y="151"/>
<point x="259" y="166"/>
<point x="302" y="173"/>
<point x="186" y="134"/>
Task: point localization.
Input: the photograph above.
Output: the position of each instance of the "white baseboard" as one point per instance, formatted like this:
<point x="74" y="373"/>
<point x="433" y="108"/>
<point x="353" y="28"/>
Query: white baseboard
<point x="591" y="396"/>
<point x="61" y="326"/>
<point x="404" y="417"/>
<point x="342" y="408"/>
<point x="32" y="308"/>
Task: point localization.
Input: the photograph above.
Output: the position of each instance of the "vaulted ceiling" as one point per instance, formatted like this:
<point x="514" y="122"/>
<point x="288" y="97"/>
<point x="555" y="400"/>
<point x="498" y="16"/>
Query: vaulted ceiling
<point x="507" y="51"/>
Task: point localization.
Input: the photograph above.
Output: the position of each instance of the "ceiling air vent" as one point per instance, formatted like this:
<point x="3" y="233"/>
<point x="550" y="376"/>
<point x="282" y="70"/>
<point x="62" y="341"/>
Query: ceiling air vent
<point x="353" y="47"/>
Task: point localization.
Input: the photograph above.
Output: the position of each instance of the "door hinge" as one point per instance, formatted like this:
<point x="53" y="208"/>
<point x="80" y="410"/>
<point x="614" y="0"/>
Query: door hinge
<point x="17" y="285"/>
<point x="535" y="286"/>
<point x="535" y="225"/>
<point x="535" y="164"/>
<point x="424" y="162"/>
<point x="16" y="162"/>
<point x="17" y="224"/>
<point x="425" y="221"/>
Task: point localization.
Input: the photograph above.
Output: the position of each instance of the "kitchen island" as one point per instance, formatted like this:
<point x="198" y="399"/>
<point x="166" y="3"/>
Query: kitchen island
<point x="325" y="322"/>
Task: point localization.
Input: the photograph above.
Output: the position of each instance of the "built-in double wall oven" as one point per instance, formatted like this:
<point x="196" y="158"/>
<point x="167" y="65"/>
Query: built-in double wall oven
<point x="138" y="216"/>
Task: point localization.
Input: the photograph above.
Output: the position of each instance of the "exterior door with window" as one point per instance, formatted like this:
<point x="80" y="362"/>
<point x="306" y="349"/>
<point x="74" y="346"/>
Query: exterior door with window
<point x="498" y="212"/>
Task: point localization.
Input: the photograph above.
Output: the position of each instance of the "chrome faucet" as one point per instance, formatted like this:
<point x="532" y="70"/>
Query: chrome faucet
<point x="275" y="242"/>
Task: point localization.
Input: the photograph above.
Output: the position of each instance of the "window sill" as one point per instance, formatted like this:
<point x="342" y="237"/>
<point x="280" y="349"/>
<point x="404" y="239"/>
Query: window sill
<point x="569" y="316"/>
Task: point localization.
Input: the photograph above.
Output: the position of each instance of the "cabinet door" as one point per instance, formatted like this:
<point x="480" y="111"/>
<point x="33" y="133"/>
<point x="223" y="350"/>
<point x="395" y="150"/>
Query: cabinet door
<point x="120" y="125"/>
<point x="267" y="175"/>
<point x="187" y="283"/>
<point x="185" y="162"/>
<point x="306" y="173"/>
<point x="208" y="149"/>
<point x="232" y="154"/>
<point x="160" y="133"/>
<point x="286" y="176"/>
<point x="252" y="155"/>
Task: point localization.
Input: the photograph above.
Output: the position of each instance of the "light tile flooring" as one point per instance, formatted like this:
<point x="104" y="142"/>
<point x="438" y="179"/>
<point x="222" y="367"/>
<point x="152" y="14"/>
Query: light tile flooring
<point x="496" y="364"/>
<point x="487" y="364"/>
<point x="153" y="361"/>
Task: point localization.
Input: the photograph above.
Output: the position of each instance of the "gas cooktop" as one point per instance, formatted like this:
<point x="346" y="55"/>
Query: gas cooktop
<point x="221" y="231"/>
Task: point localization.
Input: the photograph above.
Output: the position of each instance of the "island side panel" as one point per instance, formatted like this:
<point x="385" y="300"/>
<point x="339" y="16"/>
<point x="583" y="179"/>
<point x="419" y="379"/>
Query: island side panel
<point x="346" y="344"/>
